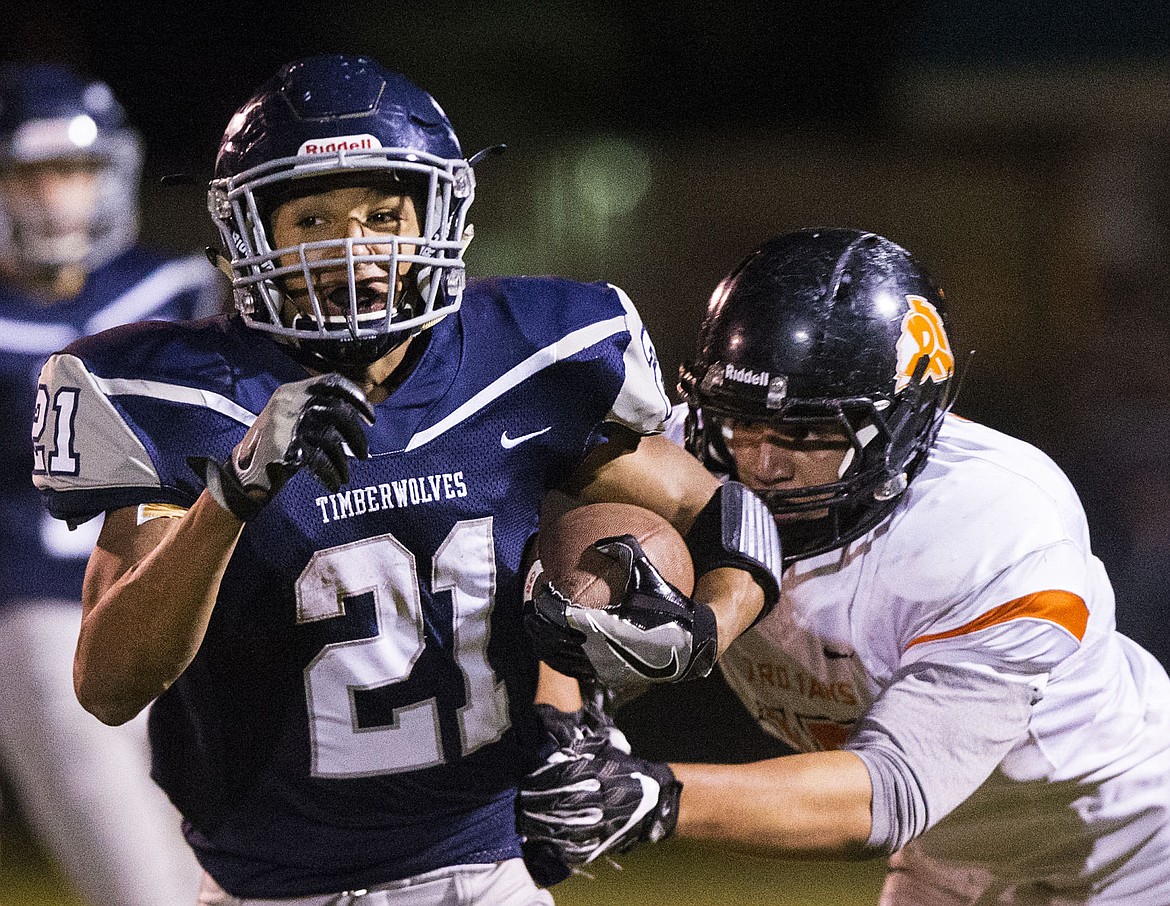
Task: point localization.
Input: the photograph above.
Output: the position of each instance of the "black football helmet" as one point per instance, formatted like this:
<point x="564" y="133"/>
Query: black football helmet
<point x="827" y="324"/>
<point x="321" y="123"/>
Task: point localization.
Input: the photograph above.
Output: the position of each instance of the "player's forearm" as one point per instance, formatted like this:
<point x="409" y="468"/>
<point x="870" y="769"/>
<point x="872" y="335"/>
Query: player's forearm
<point x="143" y="627"/>
<point x="660" y="476"/>
<point x="796" y="806"/>
<point x="556" y="689"/>
<point x="652" y="473"/>
<point x="734" y="597"/>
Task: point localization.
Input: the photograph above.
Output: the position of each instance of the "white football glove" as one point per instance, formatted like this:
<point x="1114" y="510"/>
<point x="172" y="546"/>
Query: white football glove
<point x="305" y="425"/>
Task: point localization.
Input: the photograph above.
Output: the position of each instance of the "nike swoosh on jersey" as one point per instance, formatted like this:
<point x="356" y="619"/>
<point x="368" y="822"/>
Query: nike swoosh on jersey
<point x="509" y="442"/>
<point x="650" y="792"/>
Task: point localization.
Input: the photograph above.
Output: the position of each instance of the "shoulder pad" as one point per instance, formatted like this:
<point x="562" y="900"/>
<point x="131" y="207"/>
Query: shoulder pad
<point x="80" y="441"/>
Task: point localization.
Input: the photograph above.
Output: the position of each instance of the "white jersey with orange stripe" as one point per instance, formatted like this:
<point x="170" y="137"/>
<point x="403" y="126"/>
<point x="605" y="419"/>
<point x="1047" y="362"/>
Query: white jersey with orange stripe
<point x="972" y="636"/>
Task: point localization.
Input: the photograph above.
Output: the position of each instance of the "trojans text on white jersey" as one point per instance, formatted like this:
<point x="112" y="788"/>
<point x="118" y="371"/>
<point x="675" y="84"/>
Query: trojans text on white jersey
<point x="985" y="562"/>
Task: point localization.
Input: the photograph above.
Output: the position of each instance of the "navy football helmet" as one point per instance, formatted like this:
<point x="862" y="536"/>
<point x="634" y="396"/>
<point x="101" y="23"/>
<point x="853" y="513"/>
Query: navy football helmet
<point x="823" y="325"/>
<point x="49" y="113"/>
<point x="326" y="122"/>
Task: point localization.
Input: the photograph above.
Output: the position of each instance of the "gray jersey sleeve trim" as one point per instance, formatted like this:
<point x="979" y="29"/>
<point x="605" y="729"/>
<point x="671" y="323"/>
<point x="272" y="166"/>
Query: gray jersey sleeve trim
<point x="642" y="404"/>
<point x="931" y="739"/>
<point x="88" y="446"/>
<point x="175" y="393"/>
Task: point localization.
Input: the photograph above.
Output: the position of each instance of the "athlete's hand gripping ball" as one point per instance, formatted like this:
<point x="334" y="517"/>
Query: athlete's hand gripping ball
<point x="654" y="634"/>
<point x="305" y="425"/>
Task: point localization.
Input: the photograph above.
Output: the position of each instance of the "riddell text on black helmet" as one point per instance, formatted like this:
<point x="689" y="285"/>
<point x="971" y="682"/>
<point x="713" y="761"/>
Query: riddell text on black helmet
<point x="825" y="325"/>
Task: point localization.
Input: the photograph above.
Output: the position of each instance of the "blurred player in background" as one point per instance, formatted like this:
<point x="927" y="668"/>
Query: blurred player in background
<point x="944" y="647"/>
<point x="70" y="265"/>
<point x="316" y="509"/>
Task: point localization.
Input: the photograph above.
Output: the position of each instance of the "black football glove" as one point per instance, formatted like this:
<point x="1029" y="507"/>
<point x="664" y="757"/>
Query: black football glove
<point x="591" y="796"/>
<point x="543" y="857"/>
<point x="656" y="634"/>
<point x="305" y="425"/>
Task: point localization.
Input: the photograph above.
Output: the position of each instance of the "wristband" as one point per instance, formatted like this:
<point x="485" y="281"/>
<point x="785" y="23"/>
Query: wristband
<point x="736" y="529"/>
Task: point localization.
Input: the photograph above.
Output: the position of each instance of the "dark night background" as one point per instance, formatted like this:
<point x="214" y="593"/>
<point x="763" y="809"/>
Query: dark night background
<point x="1019" y="149"/>
<point x="653" y="144"/>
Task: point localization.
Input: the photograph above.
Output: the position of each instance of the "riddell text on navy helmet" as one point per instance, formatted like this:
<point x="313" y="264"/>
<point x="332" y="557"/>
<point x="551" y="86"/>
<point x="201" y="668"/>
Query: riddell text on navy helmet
<point x="390" y="495"/>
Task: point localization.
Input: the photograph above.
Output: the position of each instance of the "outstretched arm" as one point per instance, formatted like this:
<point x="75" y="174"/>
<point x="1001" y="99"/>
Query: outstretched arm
<point x="591" y="797"/>
<point x="815" y="805"/>
<point x="932" y="737"/>
<point x="927" y="743"/>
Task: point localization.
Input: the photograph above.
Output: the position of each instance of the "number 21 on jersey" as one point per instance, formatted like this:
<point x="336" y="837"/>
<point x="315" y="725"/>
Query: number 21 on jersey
<point x="465" y="565"/>
<point x="57" y="457"/>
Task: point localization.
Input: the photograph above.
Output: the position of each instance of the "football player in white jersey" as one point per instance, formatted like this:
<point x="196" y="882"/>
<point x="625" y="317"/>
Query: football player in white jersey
<point x="943" y="655"/>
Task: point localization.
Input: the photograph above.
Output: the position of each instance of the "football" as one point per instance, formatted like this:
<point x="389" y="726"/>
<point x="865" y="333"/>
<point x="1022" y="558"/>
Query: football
<point x="591" y="579"/>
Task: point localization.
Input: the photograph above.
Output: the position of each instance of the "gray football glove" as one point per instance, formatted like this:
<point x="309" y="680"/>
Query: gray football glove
<point x="592" y="797"/>
<point x="655" y="634"/>
<point x="305" y="425"/>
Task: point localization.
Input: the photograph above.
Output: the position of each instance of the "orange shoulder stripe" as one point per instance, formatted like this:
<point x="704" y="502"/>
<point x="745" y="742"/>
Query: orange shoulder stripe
<point x="1060" y="607"/>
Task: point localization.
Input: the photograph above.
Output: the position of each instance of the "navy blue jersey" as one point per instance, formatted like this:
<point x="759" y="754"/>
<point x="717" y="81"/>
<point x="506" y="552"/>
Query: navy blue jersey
<point x="361" y="707"/>
<point x="137" y="284"/>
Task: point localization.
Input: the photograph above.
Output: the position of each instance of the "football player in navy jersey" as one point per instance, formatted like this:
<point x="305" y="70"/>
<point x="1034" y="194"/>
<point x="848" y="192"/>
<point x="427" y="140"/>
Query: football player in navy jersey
<point x="316" y="510"/>
<point x="70" y="265"/>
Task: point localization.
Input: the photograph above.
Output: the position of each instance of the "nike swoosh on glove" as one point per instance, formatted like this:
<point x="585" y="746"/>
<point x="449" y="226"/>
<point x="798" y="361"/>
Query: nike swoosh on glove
<point x="591" y="797"/>
<point x="656" y="634"/>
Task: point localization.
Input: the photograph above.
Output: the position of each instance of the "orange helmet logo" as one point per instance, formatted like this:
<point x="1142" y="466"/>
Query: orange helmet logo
<point x="923" y="335"/>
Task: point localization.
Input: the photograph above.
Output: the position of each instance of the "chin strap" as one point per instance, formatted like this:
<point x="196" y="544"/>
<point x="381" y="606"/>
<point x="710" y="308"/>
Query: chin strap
<point x="219" y="261"/>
